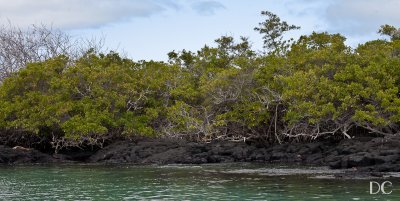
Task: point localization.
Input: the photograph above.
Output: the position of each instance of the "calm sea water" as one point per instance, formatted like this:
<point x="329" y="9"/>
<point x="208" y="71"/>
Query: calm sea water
<point x="182" y="182"/>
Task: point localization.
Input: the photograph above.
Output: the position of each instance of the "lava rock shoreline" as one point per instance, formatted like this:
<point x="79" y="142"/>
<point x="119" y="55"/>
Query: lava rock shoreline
<point x="361" y="154"/>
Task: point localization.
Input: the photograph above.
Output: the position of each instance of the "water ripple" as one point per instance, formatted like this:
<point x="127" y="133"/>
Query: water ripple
<point x="177" y="182"/>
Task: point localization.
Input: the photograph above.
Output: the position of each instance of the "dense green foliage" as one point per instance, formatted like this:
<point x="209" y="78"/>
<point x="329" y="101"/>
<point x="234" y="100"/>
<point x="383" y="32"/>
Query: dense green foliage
<point x="301" y="89"/>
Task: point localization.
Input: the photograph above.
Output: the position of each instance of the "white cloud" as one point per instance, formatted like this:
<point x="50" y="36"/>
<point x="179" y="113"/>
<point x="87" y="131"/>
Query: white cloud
<point x="75" y="14"/>
<point x="207" y="7"/>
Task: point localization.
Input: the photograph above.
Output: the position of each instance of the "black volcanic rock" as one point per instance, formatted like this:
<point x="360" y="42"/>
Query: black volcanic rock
<point x="372" y="154"/>
<point x="20" y="155"/>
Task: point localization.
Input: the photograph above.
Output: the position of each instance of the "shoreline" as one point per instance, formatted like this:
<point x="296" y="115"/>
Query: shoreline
<point x="363" y="156"/>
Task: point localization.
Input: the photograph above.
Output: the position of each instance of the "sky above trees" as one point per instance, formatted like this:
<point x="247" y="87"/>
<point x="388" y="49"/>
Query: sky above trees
<point x="149" y="29"/>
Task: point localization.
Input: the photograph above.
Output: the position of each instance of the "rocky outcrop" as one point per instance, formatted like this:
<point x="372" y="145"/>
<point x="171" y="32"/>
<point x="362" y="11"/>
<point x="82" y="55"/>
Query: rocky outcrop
<point x="21" y="155"/>
<point x="366" y="154"/>
<point x="363" y="154"/>
<point x="167" y="151"/>
<point x="377" y="154"/>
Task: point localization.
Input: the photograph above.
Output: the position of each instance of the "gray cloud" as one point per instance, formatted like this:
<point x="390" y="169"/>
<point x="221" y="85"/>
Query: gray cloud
<point x="359" y="17"/>
<point x="207" y="7"/>
<point x="350" y="17"/>
<point x="73" y="14"/>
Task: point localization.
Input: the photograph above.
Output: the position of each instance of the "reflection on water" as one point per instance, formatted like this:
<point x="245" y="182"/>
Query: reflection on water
<point x="182" y="182"/>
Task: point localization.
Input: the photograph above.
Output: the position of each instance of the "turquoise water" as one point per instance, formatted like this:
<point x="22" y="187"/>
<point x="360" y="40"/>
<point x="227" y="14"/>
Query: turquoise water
<point x="181" y="182"/>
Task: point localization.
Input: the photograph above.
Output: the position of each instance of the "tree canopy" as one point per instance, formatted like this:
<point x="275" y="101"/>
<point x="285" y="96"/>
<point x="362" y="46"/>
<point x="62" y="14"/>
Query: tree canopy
<point x="300" y="89"/>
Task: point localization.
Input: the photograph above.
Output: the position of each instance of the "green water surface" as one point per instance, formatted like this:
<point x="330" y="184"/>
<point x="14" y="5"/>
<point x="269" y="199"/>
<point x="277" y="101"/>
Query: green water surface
<point x="182" y="182"/>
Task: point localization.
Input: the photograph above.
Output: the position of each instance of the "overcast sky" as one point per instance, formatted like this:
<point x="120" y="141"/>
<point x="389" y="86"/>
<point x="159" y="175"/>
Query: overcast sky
<point x="149" y="29"/>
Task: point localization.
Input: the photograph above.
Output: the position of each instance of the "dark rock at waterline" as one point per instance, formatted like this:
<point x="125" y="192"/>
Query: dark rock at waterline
<point x="378" y="154"/>
<point x="20" y="155"/>
<point x="166" y="151"/>
<point x="361" y="154"/>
